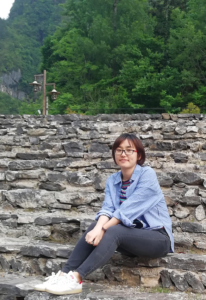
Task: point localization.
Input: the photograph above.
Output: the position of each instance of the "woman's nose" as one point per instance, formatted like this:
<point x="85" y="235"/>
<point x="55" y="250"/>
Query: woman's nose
<point x="123" y="153"/>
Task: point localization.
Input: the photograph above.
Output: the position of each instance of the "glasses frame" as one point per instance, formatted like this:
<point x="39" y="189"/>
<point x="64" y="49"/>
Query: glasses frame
<point x="125" y="152"/>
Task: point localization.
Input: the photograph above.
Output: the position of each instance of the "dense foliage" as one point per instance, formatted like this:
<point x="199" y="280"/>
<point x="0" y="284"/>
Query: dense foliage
<point x="111" y="55"/>
<point x="23" y="34"/>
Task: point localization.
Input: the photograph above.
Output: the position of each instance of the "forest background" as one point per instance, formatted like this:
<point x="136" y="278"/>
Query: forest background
<point x="107" y="56"/>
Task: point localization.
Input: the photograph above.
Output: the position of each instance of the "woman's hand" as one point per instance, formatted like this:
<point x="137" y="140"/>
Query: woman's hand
<point x="94" y="236"/>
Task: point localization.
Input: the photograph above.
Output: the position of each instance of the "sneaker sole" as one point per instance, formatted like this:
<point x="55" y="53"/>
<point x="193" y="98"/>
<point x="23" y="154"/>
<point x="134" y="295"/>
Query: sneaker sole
<point x="39" y="289"/>
<point x="64" y="293"/>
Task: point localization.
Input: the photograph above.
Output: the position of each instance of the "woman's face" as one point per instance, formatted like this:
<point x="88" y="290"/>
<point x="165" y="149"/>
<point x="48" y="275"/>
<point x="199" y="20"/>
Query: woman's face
<point x="129" y="160"/>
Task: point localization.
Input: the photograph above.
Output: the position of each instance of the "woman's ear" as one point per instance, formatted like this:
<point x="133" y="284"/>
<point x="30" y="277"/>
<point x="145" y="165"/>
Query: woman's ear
<point x="139" y="157"/>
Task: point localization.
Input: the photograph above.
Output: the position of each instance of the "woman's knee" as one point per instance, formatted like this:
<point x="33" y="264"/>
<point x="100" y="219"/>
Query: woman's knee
<point x="113" y="230"/>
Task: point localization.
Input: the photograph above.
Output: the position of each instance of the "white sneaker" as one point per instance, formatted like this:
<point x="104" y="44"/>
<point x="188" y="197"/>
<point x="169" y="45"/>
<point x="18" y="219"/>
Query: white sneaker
<point x="48" y="280"/>
<point x="67" y="284"/>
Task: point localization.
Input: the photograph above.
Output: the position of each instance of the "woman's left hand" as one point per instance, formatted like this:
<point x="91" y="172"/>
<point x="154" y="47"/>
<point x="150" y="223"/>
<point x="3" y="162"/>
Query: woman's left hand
<point x="98" y="238"/>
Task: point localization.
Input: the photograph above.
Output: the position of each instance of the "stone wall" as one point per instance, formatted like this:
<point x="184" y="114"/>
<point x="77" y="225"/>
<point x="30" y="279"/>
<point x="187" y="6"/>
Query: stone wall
<point x="52" y="176"/>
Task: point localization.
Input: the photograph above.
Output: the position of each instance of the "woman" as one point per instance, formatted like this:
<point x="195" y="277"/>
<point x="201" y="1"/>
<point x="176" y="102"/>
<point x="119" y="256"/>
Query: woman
<point x="133" y="219"/>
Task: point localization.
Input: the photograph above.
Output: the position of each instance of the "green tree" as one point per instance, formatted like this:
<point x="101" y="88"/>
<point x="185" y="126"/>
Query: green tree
<point x="8" y="105"/>
<point x="97" y="52"/>
<point x="187" y="53"/>
<point x="191" y="109"/>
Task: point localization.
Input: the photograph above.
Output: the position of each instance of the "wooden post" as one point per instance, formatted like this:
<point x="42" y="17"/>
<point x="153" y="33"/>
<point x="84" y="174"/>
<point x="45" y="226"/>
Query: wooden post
<point x="47" y="106"/>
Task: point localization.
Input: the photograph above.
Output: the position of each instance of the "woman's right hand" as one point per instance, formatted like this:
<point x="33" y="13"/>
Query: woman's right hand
<point x="94" y="236"/>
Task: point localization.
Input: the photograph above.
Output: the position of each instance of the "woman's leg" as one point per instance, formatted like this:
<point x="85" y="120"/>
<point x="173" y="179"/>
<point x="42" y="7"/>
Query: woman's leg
<point x="140" y="242"/>
<point x="81" y="251"/>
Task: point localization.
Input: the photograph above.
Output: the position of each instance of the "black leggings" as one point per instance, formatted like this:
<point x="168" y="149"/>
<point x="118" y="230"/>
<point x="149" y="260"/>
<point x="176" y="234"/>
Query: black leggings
<point x="86" y="258"/>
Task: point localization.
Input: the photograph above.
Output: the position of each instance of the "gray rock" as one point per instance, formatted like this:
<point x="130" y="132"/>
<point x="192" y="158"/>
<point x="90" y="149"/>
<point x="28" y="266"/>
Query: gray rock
<point x="179" y="280"/>
<point x="51" y="186"/>
<point x="189" y="262"/>
<point x="194" y="282"/>
<point x="39" y="249"/>
<point x="146" y="127"/>
<point x="203" y="277"/>
<point x="163" y="146"/>
<point x="2" y="176"/>
<point x="107" y="165"/>
<point x="97" y="147"/>
<point x="24" y="165"/>
<point x="34" y="140"/>
<point x="193" y="227"/>
<point x="79" y="178"/>
<point x="182" y="145"/>
<point x="63" y="231"/>
<point x="192" y="129"/>
<point x="190" y="201"/>
<point x="32" y="156"/>
<point x="183" y="240"/>
<point x="168" y="129"/>
<point x="149" y="135"/>
<point x="95" y="276"/>
<point x="46" y="146"/>
<point x="76" y="199"/>
<point x="53" y="265"/>
<point x="100" y="181"/>
<point x="73" y="147"/>
<point x="64" y="251"/>
<point x="165" y="278"/>
<point x="164" y="179"/>
<point x="179" y="157"/>
<point x="200" y="213"/>
<point x="202" y="156"/>
<point x="181" y="130"/>
<point x="14" y="175"/>
<point x="45" y="220"/>
<point x="181" y="212"/>
<point x="24" y="198"/>
<point x="36" y="132"/>
<point x="56" y="177"/>
<point x="188" y="178"/>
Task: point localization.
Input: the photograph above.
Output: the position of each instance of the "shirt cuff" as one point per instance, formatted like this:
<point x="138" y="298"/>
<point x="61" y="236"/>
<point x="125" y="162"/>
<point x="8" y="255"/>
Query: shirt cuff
<point x="105" y="213"/>
<point x="120" y="216"/>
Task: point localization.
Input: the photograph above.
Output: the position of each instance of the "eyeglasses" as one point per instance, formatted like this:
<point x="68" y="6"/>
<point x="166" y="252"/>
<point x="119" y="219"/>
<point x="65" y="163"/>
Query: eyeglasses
<point x="127" y="151"/>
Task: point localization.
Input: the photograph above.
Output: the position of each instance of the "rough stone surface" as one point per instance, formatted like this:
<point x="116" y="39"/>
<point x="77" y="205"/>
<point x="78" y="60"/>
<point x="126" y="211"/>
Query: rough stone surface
<point x="200" y="213"/>
<point x="181" y="212"/>
<point x="179" y="280"/>
<point x="53" y="172"/>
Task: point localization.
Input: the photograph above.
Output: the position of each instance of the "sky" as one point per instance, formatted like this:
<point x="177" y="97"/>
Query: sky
<point x="5" y="6"/>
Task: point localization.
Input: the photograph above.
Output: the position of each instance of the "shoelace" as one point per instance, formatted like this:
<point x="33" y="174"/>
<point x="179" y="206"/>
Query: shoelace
<point x="53" y="278"/>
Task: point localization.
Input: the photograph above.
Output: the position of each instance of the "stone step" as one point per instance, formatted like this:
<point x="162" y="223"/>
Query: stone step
<point x="66" y="227"/>
<point x="21" y="256"/>
<point x="14" y="287"/>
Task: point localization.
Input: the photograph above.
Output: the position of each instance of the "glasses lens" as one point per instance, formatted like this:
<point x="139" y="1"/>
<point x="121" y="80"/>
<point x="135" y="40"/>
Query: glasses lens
<point x="129" y="152"/>
<point x="118" y="151"/>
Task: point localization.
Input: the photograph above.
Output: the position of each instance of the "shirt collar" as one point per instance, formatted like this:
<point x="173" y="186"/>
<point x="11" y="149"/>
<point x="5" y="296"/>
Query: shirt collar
<point x="118" y="178"/>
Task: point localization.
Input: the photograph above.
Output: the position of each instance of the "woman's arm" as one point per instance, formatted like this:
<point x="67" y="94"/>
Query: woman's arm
<point x="95" y="235"/>
<point x="107" y="206"/>
<point x="111" y="222"/>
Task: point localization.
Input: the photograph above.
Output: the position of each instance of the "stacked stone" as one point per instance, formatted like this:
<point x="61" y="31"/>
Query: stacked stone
<point x="52" y="176"/>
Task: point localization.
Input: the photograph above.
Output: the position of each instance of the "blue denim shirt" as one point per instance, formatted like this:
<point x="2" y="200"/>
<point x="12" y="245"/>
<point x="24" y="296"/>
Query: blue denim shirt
<point x="145" y="201"/>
